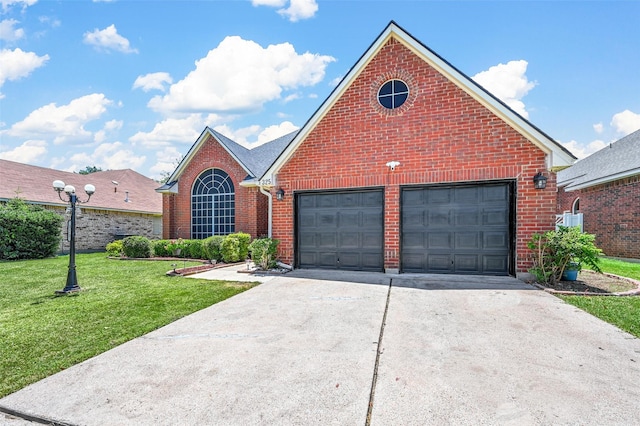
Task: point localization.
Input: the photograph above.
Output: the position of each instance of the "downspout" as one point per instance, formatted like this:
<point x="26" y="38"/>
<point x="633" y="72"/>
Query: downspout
<point x="270" y="215"/>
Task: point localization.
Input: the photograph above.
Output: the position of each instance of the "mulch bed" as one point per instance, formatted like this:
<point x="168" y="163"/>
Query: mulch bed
<point x="590" y="283"/>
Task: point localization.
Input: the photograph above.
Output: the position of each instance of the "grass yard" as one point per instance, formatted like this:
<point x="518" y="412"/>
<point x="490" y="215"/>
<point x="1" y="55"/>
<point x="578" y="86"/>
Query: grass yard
<point x="41" y="333"/>
<point x="623" y="312"/>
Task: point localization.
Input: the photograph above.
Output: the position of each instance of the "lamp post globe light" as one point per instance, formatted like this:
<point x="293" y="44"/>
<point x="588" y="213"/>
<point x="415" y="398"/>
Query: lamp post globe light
<point x="59" y="186"/>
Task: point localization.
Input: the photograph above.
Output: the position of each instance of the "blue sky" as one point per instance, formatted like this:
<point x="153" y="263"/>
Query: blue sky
<point x="132" y="83"/>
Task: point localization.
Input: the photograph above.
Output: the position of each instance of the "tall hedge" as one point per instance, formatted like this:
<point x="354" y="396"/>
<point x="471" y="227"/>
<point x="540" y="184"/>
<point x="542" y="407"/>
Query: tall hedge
<point x="28" y="231"/>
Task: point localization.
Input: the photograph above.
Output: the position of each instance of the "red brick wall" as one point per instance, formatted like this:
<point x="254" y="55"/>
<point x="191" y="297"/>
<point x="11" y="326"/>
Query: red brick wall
<point x="251" y="210"/>
<point x="612" y="212"/>
<point x="441" y="134"/>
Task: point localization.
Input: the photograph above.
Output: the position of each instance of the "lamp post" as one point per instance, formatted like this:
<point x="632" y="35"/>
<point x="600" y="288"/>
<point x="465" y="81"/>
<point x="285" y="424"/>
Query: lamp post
<point x="59" y="186"/>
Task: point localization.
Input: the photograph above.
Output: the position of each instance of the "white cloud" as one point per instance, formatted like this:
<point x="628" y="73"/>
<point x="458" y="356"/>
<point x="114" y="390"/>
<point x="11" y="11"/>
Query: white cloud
<point x="29" y="152"/>
<point x="509" y="83"/>
<point x="24" y="3"/>
<point x="18" y="63"/>
<point x="8" y="32"/>
<point x="253" y="136"/>
<point x="108" y="39"/>
<point x="297" y="10"/>
<point x="240" y="76"/>
<point x="167" y="161"/>
<point x="582" y="150"/>
<point x="172" y="130"/>
<point x="64" y="123"/>
<point x="156" y="80"/>
<point x="107" y="156"/>
<point x="626" y="122"/>
<point x="599" y="128"/>
<point x="101" y="135"/>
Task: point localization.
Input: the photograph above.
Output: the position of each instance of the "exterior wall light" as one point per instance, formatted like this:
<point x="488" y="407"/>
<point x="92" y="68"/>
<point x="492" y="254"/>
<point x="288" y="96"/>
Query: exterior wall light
<point x="540" y="181"/>
<point x="59" y="186"/>
<point x="280" y="194"/>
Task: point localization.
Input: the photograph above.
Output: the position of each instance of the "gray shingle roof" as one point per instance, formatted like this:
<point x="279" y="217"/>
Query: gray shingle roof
<point x="257" y="160"/>
<point x="620" y="159"/>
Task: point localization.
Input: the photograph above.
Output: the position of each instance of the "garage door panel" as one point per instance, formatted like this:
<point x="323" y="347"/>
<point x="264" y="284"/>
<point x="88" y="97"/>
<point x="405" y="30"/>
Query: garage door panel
<point x="466" y="263"/>
<point x="467" y="217"/>
<point x="349" y="219"/>
<point x="307" y="240"/>
<point x="467" y="240"/>
<point x="347" y="232"/>
<point x="438" y="263"/>
<point x="349" y="240"/>
<point x="496" y="217"/>
<point x="372" y="241"/>
<point x="494" y="264"/>
<point x="439" y="217"/>
<point x="327" y="239"/>
<point x="456" y="229"/>
<point x="495" y="240"/>
<point x="437" y="241"/>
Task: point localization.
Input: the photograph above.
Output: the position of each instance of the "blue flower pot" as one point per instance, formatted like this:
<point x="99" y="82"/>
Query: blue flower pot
<point x="570" y="275"/>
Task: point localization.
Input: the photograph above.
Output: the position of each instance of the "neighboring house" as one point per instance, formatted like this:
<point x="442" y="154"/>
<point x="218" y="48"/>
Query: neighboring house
<point x="408" y="166"/>
<point x="605" y="188"/>
<point x="125" y="202"/>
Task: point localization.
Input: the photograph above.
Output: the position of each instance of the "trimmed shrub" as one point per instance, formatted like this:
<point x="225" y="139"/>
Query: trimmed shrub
<point x="264" y="252"/>
<point x="235" y="247"/>
<point x="136" y="246"/>
<point x="192" y="249"/>
<point x="161" y="248"/>
<point x="115" y="248"/>
<point x="28" y="231"/>
<point x="230" y="249"/>
<point x="212" y="247"/>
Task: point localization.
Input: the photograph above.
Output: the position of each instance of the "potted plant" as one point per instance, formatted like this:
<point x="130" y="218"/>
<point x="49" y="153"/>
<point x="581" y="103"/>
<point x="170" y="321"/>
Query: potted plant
<point x="175" y="246"/>
<point x="565" y="249"/>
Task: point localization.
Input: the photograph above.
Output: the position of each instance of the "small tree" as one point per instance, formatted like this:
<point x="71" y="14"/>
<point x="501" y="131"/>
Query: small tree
<point x="553" y="251"/>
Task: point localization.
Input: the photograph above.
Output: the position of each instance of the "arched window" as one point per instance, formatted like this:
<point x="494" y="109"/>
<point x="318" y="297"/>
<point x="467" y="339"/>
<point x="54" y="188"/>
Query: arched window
<point x="575" y="208"/>
<point x="213" y="205"/>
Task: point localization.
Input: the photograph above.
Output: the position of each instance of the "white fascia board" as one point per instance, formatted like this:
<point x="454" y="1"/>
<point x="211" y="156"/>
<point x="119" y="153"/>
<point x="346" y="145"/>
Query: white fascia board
<point x="603" y="180"/>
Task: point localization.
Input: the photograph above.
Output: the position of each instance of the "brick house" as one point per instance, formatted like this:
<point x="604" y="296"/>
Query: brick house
<point x="408" y="166"/>
<point x="605" y="188"/>
<point x="124" y="203"/>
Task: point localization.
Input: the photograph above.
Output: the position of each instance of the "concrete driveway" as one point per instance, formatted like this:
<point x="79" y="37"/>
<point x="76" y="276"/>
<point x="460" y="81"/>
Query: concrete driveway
<point x="318" y="347"/>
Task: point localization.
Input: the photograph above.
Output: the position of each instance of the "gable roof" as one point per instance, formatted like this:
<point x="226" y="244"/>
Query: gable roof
<point x="557" y="155"/>
<point x="254" y="161"/>
<point x="34" y="184"/>
<point x="619" y="160"/>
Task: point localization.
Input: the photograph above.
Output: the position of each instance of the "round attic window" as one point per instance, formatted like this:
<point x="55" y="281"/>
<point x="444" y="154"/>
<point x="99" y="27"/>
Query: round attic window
<point x="393" y="93"/>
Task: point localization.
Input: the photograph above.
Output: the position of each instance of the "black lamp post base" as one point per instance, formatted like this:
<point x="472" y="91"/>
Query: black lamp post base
<point x="68" y="290"/>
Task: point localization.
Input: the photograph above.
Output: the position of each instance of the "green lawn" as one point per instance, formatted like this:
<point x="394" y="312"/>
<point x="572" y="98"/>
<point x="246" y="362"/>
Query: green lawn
<point x="623" y="312"/>
<point x="41" y="334"/>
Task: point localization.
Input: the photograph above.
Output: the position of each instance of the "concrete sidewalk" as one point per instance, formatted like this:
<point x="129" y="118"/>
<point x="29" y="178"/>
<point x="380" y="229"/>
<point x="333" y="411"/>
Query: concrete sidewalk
<point x="298" y="349"/>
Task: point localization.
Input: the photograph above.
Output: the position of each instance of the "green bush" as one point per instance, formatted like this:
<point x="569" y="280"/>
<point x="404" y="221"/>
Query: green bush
<point x="136" y="246"/>
<point x="28" y="231"/>
<point x="235" y="247"/>
<point x="192" y="249"/>
<point x="212" y="247"/>
<point x="264" y="252"/>
<point x="230" y="249"/>
<point x="160" y="248"/>
<point x="553" y="251"/>
<point x="115" y="248"/>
